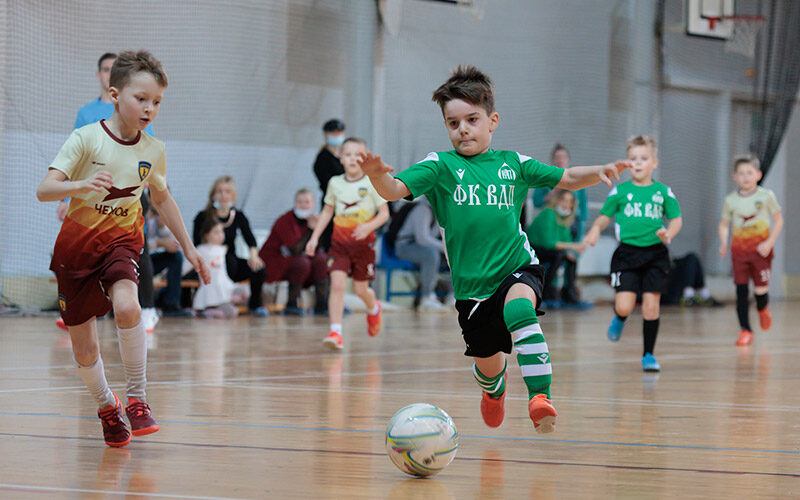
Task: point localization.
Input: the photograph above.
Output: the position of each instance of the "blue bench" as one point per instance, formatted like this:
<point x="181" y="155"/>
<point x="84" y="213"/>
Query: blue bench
<point x="389" y="262"/>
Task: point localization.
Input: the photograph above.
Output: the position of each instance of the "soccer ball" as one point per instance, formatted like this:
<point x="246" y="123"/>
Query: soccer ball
<point x="421" y="439"/>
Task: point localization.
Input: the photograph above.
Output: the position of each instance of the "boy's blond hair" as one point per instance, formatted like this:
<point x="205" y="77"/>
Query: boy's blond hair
<point x="469" y="84"/>
<point x="130" y="62"/>
<point x="357" y="140"/>
<point x="643" y="140"/>
<point x="748" y="158"/>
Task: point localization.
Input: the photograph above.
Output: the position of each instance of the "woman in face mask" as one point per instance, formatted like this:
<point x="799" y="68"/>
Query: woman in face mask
<point x="552" y="240"/>
<point x="328" y="165"/>
<point x="284" y="255"/>
<point x="221" y="200"/>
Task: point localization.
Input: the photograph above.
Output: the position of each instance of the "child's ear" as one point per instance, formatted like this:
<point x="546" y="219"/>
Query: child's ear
<point x="494" y="121"/>
<point x="759" y="174"/>
<point x="113" y="93"/>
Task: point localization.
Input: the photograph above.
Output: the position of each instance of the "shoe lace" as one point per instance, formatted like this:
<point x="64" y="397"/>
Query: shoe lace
<point x="139" y="409"/>
<point x="110" y="416"/>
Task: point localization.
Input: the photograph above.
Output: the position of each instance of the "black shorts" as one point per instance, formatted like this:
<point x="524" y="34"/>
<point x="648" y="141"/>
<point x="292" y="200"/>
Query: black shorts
<point x="482" y="324"/>
<point x="640" y="269"/>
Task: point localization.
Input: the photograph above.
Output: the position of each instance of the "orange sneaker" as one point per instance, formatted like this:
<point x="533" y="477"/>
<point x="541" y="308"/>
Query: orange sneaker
<point x="60" y="323"/>
<point x="745" y="338"/>
<point x="542" y="413"/>
<point x="374" y="322"/>
<point x="493" y="410"/>
<point x="333" y="341"/>
<point x="765" y="318"/>
<point x="115" y="432"/>
<point x="142" y="422"/>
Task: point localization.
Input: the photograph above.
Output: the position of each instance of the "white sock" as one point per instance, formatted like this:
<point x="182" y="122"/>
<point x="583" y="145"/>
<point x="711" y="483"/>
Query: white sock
<point x="705" y="293"/>
<point x="95" y="379"/>
<point x="133" y="350"/>
<point x="376" y="308"/>
<point x="688" y="292"/>
<point x="336" y="327"/>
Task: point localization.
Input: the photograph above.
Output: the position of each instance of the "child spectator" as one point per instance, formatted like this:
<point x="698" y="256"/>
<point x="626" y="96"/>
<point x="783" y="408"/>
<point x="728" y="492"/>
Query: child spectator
<point x="214" y="300"/>
<point x="359" y="211"/>
<point x="641" y="261"/>
<point x="750" y="208"/>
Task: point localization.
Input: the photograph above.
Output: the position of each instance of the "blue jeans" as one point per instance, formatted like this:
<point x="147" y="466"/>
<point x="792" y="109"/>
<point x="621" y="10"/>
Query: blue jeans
<point x="428" y="260"/>
<point x="170" y="297"/>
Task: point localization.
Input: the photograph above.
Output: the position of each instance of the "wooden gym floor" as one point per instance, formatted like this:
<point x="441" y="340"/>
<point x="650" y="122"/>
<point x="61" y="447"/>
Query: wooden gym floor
<point x="257" y="409"/>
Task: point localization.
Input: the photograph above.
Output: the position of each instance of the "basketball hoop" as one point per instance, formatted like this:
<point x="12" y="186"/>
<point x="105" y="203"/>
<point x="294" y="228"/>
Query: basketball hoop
<point x="744" y="33"/>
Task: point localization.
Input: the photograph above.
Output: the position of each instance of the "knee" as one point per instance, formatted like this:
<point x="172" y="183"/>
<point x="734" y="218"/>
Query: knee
<point x="128" y="314"/>
<point x="85" y="354"/>
<point x="338" y="287"/>
<point x="300" y="268"/>
<point x="623" y="309"/>
<point x="650" y="311"/>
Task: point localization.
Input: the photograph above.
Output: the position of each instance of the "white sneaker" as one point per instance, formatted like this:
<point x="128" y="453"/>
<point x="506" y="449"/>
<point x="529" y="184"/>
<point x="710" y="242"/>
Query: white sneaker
<point x="450" y="300"/>
<point x="150" y="319"/>
<point x="430" y="303"/>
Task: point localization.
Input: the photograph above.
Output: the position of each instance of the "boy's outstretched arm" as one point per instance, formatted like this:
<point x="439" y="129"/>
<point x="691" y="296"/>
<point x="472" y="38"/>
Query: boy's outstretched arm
<point x="54" y="186"/>
<point x="723" y="230"/>
<point x="168" y="212"/>
<point x="600" y="223"/>
<point x="575" y="178"/>
<point x="666" y="234"/>
<point x="388" y="187"/>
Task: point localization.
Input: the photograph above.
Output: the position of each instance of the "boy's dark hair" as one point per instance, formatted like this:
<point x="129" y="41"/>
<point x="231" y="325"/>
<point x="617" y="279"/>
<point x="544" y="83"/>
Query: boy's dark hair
<point x="643" y="140"/>
<point x="558" y="147"/>
<point x="749" y="158"/>
<point x="107" y="55"/>
<point x="469" y="84"/>
<point x="357" y="140"/>
<point x="129" y="63"/>
<point x="333" y="125"/>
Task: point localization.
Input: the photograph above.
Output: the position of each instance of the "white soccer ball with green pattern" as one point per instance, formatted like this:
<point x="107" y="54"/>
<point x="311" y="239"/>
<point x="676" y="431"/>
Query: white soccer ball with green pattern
<point x="421" y="439"/>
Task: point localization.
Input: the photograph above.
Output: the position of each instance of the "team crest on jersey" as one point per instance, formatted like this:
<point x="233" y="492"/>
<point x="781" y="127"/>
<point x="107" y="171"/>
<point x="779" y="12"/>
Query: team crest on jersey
<point x="362" y="192"/>
<point x="62" y="303"/>
<point x="144" y="169"/>
<point x="330" y="262"/>
<point x="759" y="205"/>
<point x="630" y="196"/>
<point x="506" y="173"/>
<point x="657" y="198"/>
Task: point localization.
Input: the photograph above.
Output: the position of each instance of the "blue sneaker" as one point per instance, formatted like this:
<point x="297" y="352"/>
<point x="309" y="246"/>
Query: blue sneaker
<point x="649" y="363"/>
<point x="293" y="311"/>
<point x="260" y="312"/>
<point x="615" y="329"/>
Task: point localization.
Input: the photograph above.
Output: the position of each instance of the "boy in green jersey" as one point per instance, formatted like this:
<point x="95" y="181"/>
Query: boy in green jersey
<point x="476" y="194"/>
<point x="641" y="262"/>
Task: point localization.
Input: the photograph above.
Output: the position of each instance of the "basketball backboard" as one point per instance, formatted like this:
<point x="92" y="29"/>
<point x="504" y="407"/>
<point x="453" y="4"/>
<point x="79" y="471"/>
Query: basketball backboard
<point x="710" y="18"/>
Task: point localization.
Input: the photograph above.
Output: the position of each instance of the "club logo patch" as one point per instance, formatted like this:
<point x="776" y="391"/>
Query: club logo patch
<point x="330" y="262"/>
<point x="362" y="192"/>
<point x="759" y="205"/>
<point x="506" y="173"/>
<point x="144" y="169"/>
<point x="62" y="303"/>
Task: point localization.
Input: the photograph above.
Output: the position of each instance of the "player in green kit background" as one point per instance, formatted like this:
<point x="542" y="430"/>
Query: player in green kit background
<point x="476" y="194"/>
<point x="641" y="262"/>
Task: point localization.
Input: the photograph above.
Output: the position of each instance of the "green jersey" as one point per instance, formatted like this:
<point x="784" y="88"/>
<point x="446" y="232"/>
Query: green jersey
<point x="640" y="211"/>
<point x="477" y="201"/>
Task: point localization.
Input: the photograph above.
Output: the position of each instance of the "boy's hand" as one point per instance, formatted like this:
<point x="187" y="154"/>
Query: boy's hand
<point x="764" y="248"/>
<point x="663" y="235"/>
<point x="580" y="247"/>
<point x="99" y="182"/>
<point x="361" y="231"/>
<point x="199" y="265"/>
<point x="723" y="250"/>
<point x="612" y="170"/>
<point x="373" y="165"/>
<point x="61" y="211"/>
<point x="311" y="246"/>
<point x="591" y="237"/>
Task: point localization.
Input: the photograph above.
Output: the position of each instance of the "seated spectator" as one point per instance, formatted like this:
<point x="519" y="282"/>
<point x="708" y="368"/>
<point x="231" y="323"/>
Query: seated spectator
<point x="419" y="240"/>
<point x="165" y="253"/>
<point x="221" y="199"/>
<point x="560" y="158"/>
<point x="552" y="240"/>
<point x="686" y="284"/>
<point x="284" y="255"/>
<point x="215" y="300"/>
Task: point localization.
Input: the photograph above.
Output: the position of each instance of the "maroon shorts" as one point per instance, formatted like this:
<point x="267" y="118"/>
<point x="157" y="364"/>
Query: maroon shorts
<point x="752" y="266"/>
<point x="357" y="261"/>
<point x="82" y="296"/>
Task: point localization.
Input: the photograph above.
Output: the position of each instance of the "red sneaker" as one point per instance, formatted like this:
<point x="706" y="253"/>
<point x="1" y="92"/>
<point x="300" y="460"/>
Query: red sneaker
<point x="374" y="322"/>
<point x="333" y="341"/>
<point x="493" y="410"/>
<point x="542" y="413"/>
<point x="745" y="338"/>
<point x="115" y="432"/>
<point x="765" y="318"/>
<point x="60" y="323"/>
<point x="142" y="422"/>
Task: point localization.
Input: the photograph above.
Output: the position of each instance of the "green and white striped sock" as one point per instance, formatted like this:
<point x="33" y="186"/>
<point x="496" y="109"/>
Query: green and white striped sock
<point x="493" y="386"/>
<point x="532" y="352"/>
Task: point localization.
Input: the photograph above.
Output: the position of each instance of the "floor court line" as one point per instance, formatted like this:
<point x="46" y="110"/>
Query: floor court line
<point x="125" y="493"/>
<point x="474" y="459"/>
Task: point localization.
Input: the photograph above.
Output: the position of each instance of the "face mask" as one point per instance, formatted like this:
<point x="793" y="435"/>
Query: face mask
<point x="563" y="212"/>
<point x="218" y="206"/>
<point x="303" y="214"/>
<point x="335" y="140"/>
